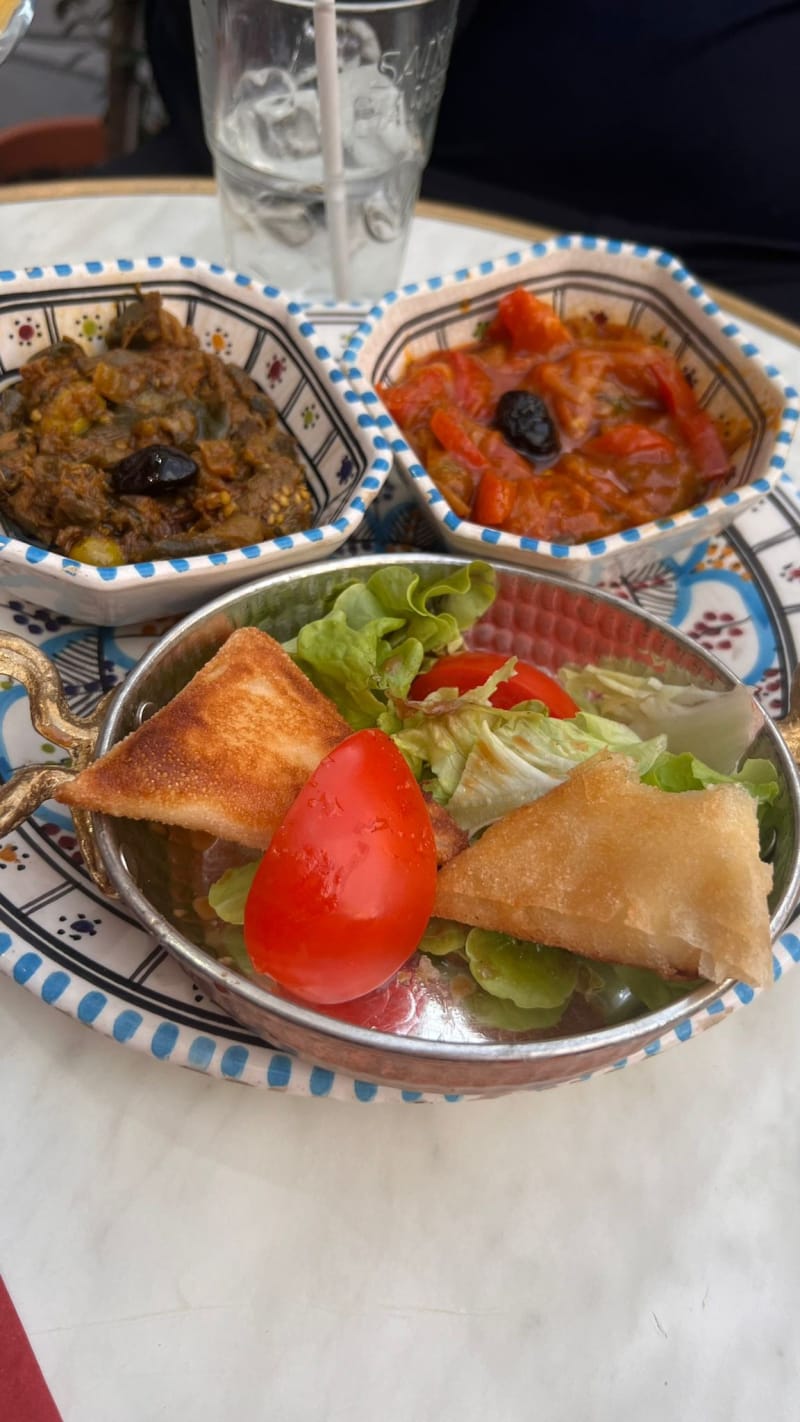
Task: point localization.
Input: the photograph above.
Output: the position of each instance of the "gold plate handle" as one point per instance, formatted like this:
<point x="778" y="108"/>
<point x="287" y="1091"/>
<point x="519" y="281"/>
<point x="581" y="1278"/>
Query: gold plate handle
<point x="30" y="787"/>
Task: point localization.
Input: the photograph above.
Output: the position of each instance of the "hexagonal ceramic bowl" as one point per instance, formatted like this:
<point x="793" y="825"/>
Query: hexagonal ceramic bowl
<point x="637" y="286"/>
<point x="251" y="325"/>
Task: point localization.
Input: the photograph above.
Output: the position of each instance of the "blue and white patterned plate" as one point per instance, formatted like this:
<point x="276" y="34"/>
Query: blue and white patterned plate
<point x="737" y="594"/>
<point x="635" y="286"/>
<point x="237" y="319"/>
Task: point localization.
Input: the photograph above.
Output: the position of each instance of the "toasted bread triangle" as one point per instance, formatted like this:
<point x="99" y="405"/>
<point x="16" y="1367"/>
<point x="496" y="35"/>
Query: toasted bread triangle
<point x="227" y="755"/>
<point x="624" y="872"/>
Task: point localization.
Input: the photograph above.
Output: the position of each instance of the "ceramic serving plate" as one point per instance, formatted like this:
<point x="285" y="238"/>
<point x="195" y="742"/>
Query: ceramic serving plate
<point x="418" y="1034"/>
<point x="636" y="286"/>
<point x="240" y="321"/>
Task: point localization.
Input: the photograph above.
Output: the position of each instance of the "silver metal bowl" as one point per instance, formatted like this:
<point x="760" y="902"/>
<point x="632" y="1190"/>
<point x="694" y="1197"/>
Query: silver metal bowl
<point x="420" y="1032"/>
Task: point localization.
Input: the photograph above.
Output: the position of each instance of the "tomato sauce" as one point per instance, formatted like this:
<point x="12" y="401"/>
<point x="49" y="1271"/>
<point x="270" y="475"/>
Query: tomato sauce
<point x="602" y="431"/>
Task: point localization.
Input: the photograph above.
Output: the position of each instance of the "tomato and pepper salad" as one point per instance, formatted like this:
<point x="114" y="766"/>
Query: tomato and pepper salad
<point x="563" y="430"/>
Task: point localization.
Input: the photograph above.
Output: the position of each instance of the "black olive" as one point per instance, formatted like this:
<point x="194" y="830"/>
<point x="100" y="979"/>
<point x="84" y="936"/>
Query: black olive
<point x="156" y="469"/>
<point x="525" y="421"/>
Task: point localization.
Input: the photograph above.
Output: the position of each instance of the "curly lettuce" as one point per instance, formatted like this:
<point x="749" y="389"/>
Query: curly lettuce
<point x="714" y="726"/>
<point x="373" y="640"/>
<point x="482" y="761"/>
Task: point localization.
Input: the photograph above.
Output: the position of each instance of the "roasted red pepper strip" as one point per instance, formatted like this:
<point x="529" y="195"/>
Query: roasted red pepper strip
<point x="449" y="426"/>
<point x="631" y="441"/>
<point x="495" y="499"/>
<point x="706" y="448"/>
<point x="418" y="394"/>
<point x="474" y="388"/>
<point x="698" y="429"/>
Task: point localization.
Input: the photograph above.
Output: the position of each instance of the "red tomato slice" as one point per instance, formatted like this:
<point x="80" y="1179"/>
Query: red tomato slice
<point x="466" y="670"/>
<point x="344" y="892"/>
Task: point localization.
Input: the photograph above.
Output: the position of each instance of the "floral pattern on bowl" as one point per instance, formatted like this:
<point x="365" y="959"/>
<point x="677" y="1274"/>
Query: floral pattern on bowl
<point x="346" y="455"/>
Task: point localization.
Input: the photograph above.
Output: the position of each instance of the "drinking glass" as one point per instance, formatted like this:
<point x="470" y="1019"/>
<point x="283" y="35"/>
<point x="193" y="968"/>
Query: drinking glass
<point x="266" y="127"/>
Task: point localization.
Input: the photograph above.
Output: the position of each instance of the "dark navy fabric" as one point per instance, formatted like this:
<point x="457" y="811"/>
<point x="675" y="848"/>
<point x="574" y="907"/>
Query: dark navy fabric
<point x="670" y="124"/>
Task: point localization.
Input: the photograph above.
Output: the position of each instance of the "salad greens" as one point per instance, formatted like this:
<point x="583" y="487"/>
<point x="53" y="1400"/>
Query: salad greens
<point x="482" y="762"/>
<point x="228" y="895"/>
<point x="686" y="772"/>
<point x="715" y="726"/>
<point x="530" y="974"/>
<point x="531" y="984"/>
<point x="373" y="640"/>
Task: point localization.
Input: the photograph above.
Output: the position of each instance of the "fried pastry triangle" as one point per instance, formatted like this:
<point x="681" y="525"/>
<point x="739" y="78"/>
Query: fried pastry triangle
<point x="227" y="755"/>
<point x="624" y="872"/>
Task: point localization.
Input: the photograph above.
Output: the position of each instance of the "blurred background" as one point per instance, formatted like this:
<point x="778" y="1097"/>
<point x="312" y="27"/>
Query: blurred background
<point x="78" y="90"/>
<point x="673" y="125"/>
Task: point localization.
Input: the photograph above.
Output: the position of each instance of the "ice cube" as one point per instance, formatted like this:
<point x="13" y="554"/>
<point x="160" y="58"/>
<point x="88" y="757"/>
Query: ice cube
<point x="291" y="222"/>
<point x="388" y="209"/>
<point x="271" y="120"/>
<point x="373" y="118"/>
<point x="295" y="133"/>
<point x="304" y="59"/>
<point x="269" y="86"/>
<point x="262" y="97"/>
<point x="356" y="43"/>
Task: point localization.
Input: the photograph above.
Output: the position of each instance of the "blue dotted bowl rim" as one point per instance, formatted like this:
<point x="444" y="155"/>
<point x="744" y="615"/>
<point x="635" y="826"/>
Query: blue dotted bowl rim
<point x="351" y="412"/>
<point x="651" y="261"/>
<point x="269" y="1067"/>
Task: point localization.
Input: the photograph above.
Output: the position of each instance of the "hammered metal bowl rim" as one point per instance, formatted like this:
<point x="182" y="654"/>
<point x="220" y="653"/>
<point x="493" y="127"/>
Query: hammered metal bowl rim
<point x="190" y="956"/>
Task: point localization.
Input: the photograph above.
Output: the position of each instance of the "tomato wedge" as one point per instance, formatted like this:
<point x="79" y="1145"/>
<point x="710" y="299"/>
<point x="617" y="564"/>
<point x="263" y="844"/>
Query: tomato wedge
<point x="344" y="892"/>
<point x="466" y="670"/>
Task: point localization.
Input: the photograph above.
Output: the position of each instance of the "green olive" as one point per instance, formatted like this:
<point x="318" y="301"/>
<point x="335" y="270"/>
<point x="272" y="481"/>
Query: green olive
<point x="97" y="549"/>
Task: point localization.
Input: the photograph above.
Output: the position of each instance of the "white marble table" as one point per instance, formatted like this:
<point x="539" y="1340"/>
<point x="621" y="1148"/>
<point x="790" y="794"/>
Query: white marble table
<point x="181" y="1247"/>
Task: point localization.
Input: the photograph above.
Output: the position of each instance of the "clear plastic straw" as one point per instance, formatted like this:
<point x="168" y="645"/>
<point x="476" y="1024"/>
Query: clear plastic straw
<point x="332" y="149"/>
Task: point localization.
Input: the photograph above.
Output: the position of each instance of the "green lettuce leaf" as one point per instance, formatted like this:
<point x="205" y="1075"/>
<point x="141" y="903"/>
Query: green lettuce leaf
<point x="649" y="988"/>
<point x="716" y="726"/>
<point x="228" y="944"/>
<point x="502" y="1014"/>
<point x="373" y="640"/>
<point x="443" y="937"/>
<point x="617" y="992"/>
<point x="228" y="894"/>
<point x="531" y="975"/>
<point x="686" y="772"/>
<point x="482" y="761"/>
